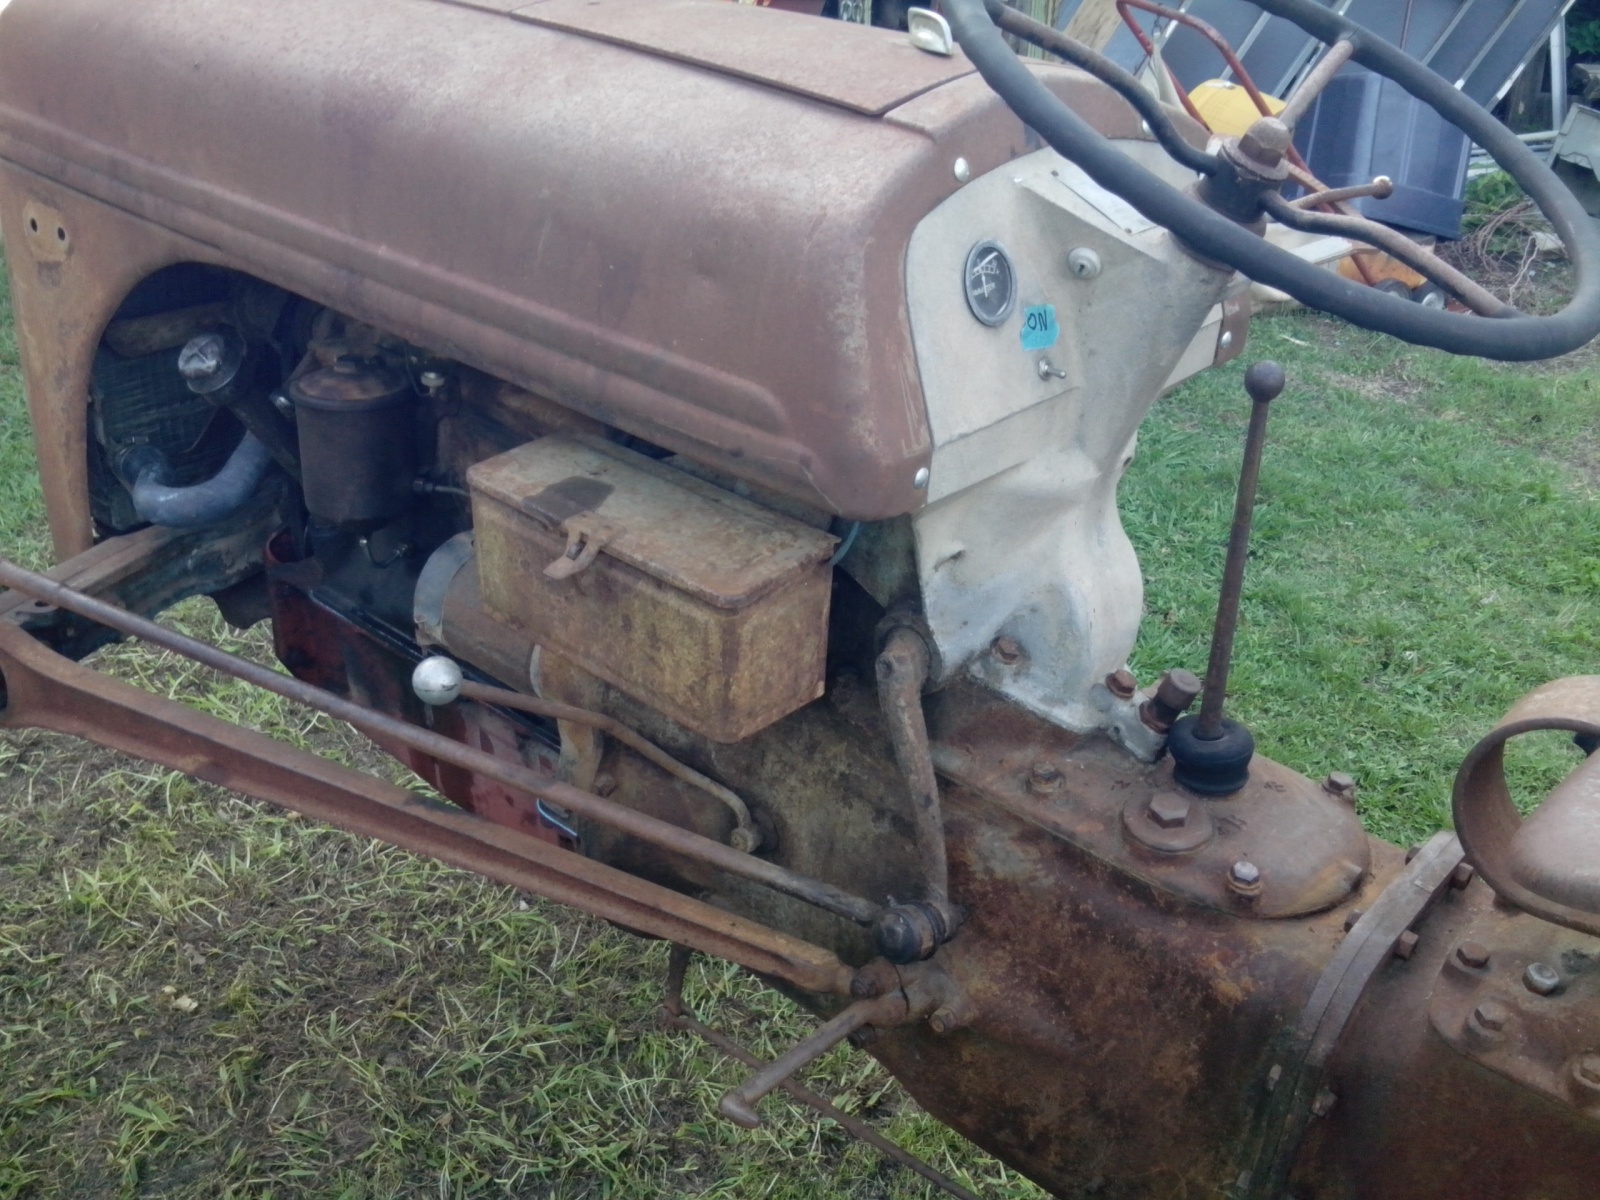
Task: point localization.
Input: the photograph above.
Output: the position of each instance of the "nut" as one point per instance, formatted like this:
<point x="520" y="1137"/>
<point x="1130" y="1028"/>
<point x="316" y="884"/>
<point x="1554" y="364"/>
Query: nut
<point x="1351" y="917"/>
<point x="1461" y="876"/>
<point x="1323" y="1104"/>
<point x="1473" y="954"/>
<point x="1266" y="142"/>
<point x="1169" y="810"/>
<point x="1007" y="651"/>
<point x="1121" y="683"/>
<point x="1341" y="785"/>
<point x="1044" y="778"/>
<point x="1541" y="979"/>
<point x="1245" y="878"/>
<point x="943" y="1020"/>
<point x="1405" y="945"/>
<point x="1491" y="1015"/>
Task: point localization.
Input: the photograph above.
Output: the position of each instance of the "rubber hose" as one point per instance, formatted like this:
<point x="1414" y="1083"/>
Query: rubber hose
<point x="200" y="504"/>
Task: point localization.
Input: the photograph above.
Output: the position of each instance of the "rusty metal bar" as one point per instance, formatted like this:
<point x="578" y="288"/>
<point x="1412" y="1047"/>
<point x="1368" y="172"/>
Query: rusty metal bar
<point x="1380" y="188"/>
<point x="1264" y="381"/>
<point x="745" y="838"/>
<point x="1311" y="86"/>
<point x="659" y="833"/>
<point x="45" y="690"/>
<point x="739" y="1104"/>
<point x="679" y="1016"/>
<point x="902" y="673"/>
<point x="1392" y="242"/>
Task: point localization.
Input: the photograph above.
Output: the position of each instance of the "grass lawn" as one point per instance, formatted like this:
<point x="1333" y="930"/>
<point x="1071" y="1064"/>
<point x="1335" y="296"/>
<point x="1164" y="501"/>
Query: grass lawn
<point x="201" y="998"/>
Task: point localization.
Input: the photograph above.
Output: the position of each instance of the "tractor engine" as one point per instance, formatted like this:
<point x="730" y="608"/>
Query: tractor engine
<point x="691" y="433"/>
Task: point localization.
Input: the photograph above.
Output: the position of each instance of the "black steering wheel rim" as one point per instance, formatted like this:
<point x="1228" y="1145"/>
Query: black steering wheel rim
<point x="1509" y="338"/>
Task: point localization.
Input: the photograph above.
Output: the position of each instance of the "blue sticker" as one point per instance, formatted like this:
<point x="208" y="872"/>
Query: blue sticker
<point x="1039" y="328"/>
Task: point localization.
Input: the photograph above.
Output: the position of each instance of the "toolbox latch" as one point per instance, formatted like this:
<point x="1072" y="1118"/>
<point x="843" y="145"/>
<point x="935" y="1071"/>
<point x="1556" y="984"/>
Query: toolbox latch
<point x="587" y="532"/>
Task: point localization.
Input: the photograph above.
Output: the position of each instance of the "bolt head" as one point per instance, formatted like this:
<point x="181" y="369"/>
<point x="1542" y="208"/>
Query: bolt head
<point x="1541" y="979"/>
<point x="1006" y="650"/>
<point x="1266" y="142"/>
<point x="437" y="680"/>
<point x="1473" y="954"/>
<point x="1169" y="810"/>
<point x="1323" y="1104"/>
<point x="202" y="357"/>
<point x="1245" y="872"/>
<point x="1122" y="684"/>
<point x="1339" y="784"/>
<point x="942" y="1021"/>
<point x="1044" y="778"/>
<point x="1178" y="688"/>
<point x="431" y="380"/>
<point x="1491" y="1015"/>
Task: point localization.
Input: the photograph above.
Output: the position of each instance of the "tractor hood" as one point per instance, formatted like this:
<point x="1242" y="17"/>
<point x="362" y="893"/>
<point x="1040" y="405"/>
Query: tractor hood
<point x="687" y="218"/>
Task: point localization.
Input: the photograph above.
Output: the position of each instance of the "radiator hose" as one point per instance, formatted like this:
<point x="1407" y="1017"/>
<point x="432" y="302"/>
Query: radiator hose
<point x="146" y="470"/>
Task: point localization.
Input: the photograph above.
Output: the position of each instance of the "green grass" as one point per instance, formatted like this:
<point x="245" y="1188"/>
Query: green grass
<point x="1426" y="549"/>
<point x="201" y="997"/>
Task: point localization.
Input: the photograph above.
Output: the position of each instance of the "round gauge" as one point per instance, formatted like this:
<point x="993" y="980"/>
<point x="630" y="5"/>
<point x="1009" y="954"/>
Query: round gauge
<point x="991" y="283"/>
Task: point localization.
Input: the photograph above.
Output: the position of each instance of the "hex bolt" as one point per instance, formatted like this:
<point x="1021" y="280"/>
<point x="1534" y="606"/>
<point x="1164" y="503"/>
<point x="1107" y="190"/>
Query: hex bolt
<point x="1491" y="1015"/>
<point x="1473" y="954"/>
<point x="1044" y="778"/>
<point x="1340" y="785"/>
<point x="1265" y="143"/>
<point x="1405" y="945"/>
<point x="1007" y="651"/>
<point x="1541" y="979"/>
<point x="943" y="1020"/>
<point x="1169" y="810"/>
<point x="1122" y="684"/>
<point x="1323" y="1104"/>
<point x="1244" y="877"/>
<point x="1174" y="694"/>
<point x="1586" y="1072"/>
<point x="1462" y="876"/>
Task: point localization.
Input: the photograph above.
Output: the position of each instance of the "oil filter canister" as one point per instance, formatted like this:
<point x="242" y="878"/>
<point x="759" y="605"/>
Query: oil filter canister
<point x="358" y="443"/>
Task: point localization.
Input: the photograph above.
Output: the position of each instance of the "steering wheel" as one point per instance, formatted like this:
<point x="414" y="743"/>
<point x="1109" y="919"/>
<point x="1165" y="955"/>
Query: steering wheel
<point x="1504" y="333"/>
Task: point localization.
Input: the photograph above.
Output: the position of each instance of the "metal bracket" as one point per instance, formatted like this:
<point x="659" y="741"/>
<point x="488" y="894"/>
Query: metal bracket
<point x="1295" y="1092"/>
<point x="587" y="533"/>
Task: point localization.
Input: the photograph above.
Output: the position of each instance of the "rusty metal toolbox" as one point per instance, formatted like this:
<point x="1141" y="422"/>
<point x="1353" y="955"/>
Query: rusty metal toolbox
<point x="687" y="597"/>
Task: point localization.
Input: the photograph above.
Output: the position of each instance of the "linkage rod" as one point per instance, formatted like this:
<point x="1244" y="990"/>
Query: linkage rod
<point x="617" y="816"/>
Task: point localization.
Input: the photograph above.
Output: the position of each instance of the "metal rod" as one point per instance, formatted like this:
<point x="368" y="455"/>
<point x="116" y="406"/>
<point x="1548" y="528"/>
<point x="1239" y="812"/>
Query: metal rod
<point x="659" y="833"/>
<point x="1396" y="244"/>
<point x="1320" y="76"/>
<point x="1380" y="188"/>
<point x="1109" y="73"/>
<point x="739" y="1104"/>
<point x="635" y="741"/>
<point x="47" y="690"/>
<point x="902" y="673"/>
<point x="1264" y="382"/>
<point x="680" y="1016"/>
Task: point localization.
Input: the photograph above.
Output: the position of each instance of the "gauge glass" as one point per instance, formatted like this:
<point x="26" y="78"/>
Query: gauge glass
<point x="991" y="283"/>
